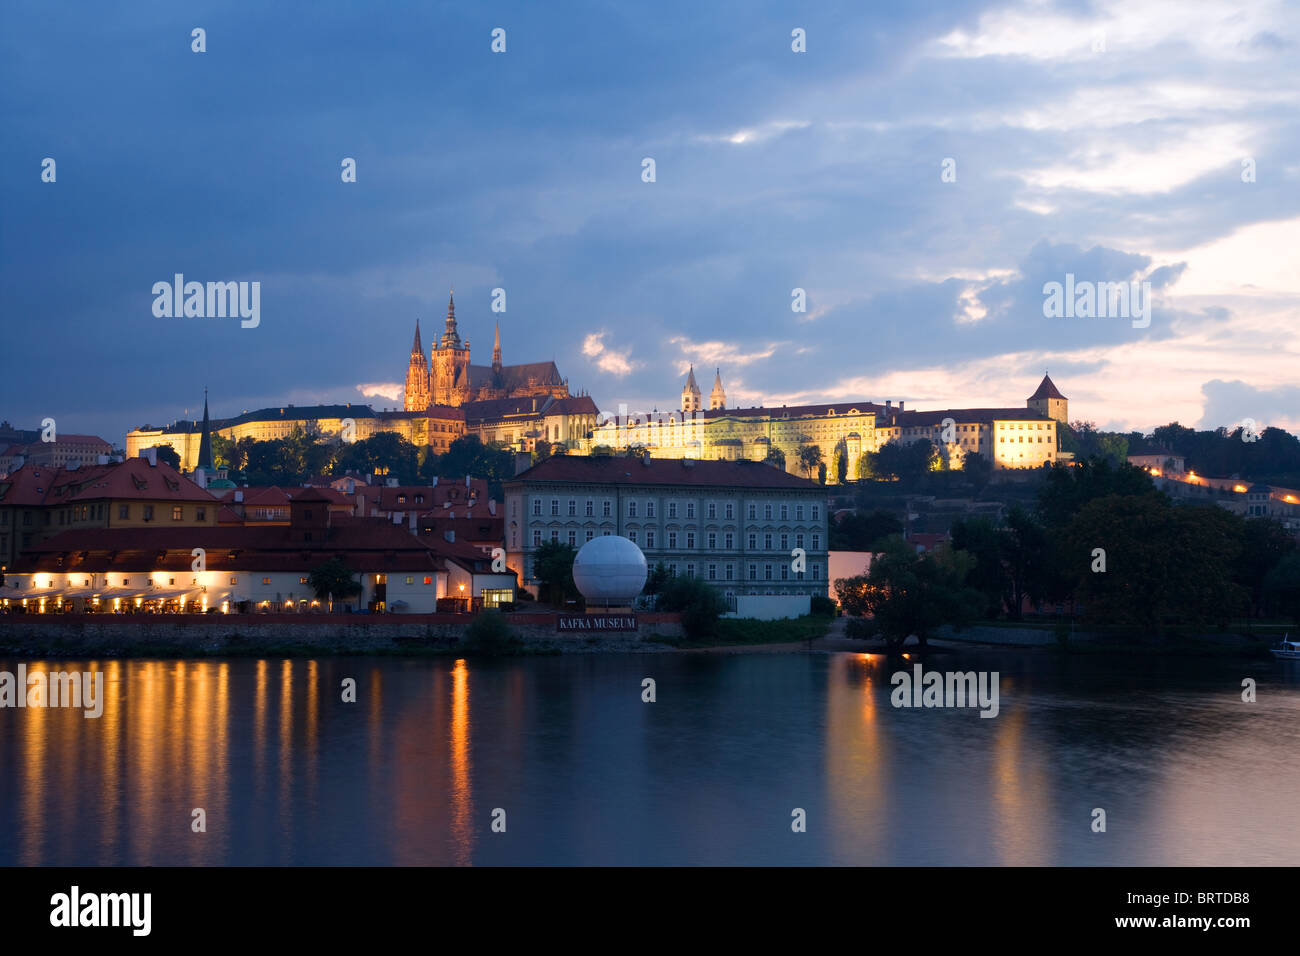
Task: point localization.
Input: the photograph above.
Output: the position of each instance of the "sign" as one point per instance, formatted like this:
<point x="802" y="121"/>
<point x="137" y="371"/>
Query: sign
<point x="573" y="623"/>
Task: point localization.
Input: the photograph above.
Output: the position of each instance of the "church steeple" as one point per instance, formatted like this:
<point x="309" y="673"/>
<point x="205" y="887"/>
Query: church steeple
<point x="496" y="349"/>
<point x="205" y="441"/>
<point x="718" y="397"/>
<point x="691" y="393"/>
<point x="417" y="348"/>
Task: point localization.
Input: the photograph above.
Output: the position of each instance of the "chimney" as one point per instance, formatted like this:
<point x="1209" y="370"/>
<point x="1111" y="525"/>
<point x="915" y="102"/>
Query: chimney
<point x="101" y="460"/>
<point x="239" y="497"/>
<point x="523" y="461"/>
<point x="397" y="517"/>
<point x="201" y="477"/>
<point x="467" y="481"/>
<point x="889" y="404"/>
<point x="435" y="482"/>
<point x="492" y="507"/>
<point x="900" y="405"/>
<point x="413" y="526"/>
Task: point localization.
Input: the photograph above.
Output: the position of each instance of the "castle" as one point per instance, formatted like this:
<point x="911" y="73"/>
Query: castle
<point x="448" y="378"/>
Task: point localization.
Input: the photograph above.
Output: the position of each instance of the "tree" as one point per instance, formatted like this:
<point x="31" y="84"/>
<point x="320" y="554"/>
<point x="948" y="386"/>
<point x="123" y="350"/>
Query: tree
<point x="1282" y="587"/>
<point x="840" y="462"/>
<point x="1066" y="490"/>
<point x="333" y="578"/>
<point x="553" y="568"/>
<point x="384" y="453"/>
<point x="168" y="456"/>
<point x="977" y="469"/>
<point x="905" y="594"/>
<point x="657" y="579"/>
<point x="699" y="603"/>
<point x="862" y="531"/>
<point x="775" y="456"/>
<point x="810" y="457"/>
<point x="1164" y="564"/>
<point x="602" y="450"/>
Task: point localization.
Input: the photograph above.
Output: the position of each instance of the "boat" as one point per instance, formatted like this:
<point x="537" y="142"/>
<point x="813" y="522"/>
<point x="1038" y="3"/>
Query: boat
<point x="1286" y="649"/>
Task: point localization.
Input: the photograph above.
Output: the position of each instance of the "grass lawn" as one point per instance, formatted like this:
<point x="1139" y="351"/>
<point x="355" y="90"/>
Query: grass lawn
<point x="732" y="631"/>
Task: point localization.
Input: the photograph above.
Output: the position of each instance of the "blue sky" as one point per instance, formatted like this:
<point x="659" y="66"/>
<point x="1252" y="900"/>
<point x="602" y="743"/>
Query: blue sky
<point x="1105" y="140"/>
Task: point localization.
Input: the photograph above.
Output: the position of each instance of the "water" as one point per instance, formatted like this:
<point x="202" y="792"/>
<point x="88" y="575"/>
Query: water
<point x="587" y="773"/>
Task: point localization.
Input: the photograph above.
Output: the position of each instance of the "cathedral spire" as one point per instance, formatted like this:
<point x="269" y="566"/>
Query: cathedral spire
<point x="496" y="349"/>
<point x="718" y="397"/>
<point x="416" y="347"/>
<point x="451" y="338"/>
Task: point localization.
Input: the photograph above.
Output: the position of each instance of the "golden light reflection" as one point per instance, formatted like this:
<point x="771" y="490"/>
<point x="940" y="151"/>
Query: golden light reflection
<point x="462" y="804"/>
<point x="1021" y="794"/>
<point x="856" y="757"/>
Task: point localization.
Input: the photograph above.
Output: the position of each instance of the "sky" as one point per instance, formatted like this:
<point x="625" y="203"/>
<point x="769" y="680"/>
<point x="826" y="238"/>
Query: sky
<point x="920" y="173"/>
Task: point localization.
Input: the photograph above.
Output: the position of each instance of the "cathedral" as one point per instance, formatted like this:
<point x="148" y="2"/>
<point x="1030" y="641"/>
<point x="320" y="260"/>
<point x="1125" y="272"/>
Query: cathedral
<point x="448" y="377"/>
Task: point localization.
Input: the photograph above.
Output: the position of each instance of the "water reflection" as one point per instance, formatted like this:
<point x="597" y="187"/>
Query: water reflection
<point x="288" y="772"/>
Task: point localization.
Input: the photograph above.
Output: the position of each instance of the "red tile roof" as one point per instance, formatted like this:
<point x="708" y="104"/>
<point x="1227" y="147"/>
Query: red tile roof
<point x="663" y="471"/>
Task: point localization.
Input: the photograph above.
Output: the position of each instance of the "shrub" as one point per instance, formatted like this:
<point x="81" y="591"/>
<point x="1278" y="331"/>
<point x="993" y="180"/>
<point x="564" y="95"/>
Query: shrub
<point x="699" y="604"/>
<point x="489" y="633"/>
<point x="823" y="606"/>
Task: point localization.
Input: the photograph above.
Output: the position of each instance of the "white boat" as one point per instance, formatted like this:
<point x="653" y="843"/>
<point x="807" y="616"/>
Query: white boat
<point x="1286" y="649"/>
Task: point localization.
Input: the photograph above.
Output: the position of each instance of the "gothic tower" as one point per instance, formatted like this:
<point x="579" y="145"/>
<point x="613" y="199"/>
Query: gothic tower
<point x="717" y="398"/>
<point x="417" y="376"/>
<point x="691" y="394"/>
<point x="496" y="350"/>
<point x="449" y="365"/>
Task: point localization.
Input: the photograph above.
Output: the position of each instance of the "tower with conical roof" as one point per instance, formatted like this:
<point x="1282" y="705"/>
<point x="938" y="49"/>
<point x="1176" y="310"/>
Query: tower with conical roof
<point x="691" y="393"/>
<point x="717" y="398"/>
<point x="417" y="376"/>
<point x="449" y="363"/>
<point x="1049" y="401"/>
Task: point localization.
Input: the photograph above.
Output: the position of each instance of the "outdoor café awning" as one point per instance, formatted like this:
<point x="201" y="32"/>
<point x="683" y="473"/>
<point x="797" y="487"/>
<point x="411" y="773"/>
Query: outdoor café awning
<point x="168" y="594"/>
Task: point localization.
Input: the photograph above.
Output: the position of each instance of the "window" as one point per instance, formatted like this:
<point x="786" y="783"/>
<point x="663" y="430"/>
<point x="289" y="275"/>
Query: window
<point x="690" y="540"/>
<point x="729" y="541"/>
<point x="200" y="514"/>
<point x="785" y="542"/>
<point x="817" y="572"/>
<point x="177" y="513"/>
<point x="672" y="509"/>
<point x="537" y="537"/>
<point x="816" y="512"/>
<point x="302" y="579"/>
<point x="590" y="510"/>
<point x="753" y="542"/>
<point x="631" y="509"/>
<point x="713" y="510"/>
<point x="753" y="513"/>
<point x="266" y="580"/>
<point x="798" y="541"/>
<point x="148" y="512"/>
<point x="605" y="509"/>
<point x="573" y="538"/>
<point x="753" y="572"/>
<point x="785" y="512"/>
<point x="713" y="572"/>
<point x="649" y="509"/>
<point x="731" y="511"/>
<point x="573" y="508"/>
<point x="234" y="581"/>
<point x="785" y="572"/>
<point x="555" y="507"/>
<point x="690" y="509"/>
<point x="537" y="507"/>
<point x="713" y="541"/>
<point x="126" y="582"/>
<point x="631" y="536"/>
<point x="590" y="534"/>
<point x="555" y="534"/>
<point x="729" y="570"/>
<point x="428" y="579"/>
<point x="672" y="539"/>
<point x="410" y="579"/>
<point x="649" y="539"/>
<point x="817" y="542"/>
<point x="690" y="570"/>
<point x="767" y="542"/>
<point x="767" y="572"/>
<point x="798" y="512"/>
<point x="767" y="512"/>
<point x="124" y="511"/>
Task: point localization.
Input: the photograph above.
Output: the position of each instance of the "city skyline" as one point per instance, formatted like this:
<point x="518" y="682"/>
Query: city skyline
<point x="1113" y="146"/>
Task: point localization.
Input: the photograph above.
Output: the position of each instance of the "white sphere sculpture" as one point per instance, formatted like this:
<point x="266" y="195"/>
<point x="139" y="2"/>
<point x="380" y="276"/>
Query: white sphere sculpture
<point x="609" y="570"/>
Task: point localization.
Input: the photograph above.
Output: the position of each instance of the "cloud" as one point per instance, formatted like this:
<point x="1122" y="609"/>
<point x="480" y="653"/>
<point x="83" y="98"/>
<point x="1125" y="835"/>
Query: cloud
<point x="392" y="391"/>
<point x="1228" y="403"/>
<point x="607" y="359"/>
